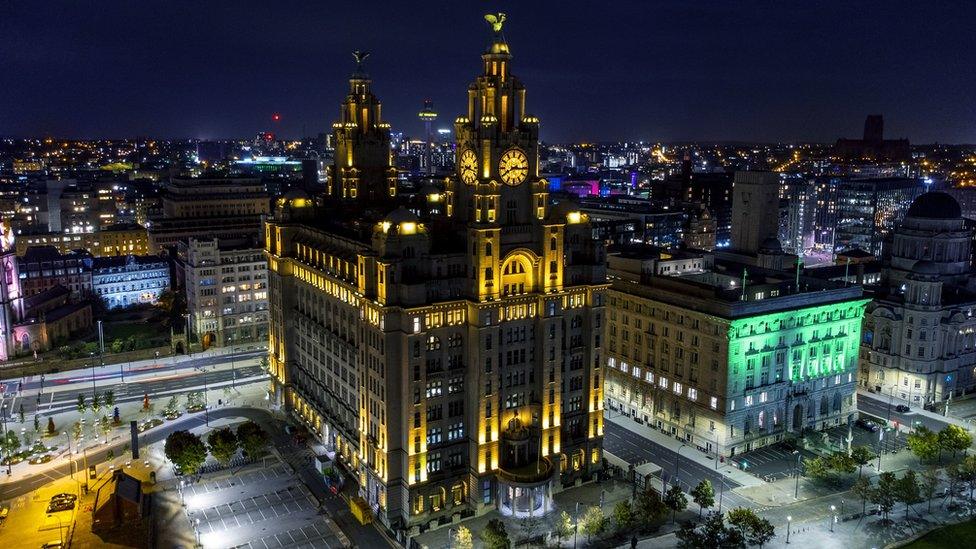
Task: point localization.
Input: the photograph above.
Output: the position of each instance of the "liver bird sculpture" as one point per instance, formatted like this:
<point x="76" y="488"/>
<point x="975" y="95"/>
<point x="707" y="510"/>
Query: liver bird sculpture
<point x="496" y="20"/>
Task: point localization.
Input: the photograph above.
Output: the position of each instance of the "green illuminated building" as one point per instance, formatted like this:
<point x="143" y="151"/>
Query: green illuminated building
<point x="723" y="369"/>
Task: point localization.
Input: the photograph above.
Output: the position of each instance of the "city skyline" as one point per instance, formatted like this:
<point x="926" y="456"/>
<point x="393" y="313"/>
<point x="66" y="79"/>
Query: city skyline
<point x="661" y="72"/>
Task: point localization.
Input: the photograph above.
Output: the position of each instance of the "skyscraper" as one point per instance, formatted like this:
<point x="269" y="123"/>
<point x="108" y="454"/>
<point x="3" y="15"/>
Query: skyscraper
<point x="755" y="210"/>
<point x="451" y="360"/>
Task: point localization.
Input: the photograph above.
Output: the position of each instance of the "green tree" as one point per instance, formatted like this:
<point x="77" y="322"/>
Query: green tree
<point x="20" y="413"/>
<point x="104" y="425"/>
<point x="37" y="424"/>
<point x="954" y="477"/>
<point x="109" y="398"/>
<point x="862" y="455"/>
<point x="81" y="403"/>
<point x="704" y="495"/>
<point x="623" y="515"/>
<point x="186" y="451"/>
<point x="252" y="439"/>
<point x="116" y="346"/>
<point x="862" y="488"/>
<point x="924" y="443"/>
<point x="494" y="535"/>
<point x="710" y="533"/>
<point x="462" y="538"/>
<point x="907" y="490"/>
<point x="76" y="430"/>
<point x="954" y="438"/>
<point x="755" y="529"/>
<point x="967" y="469"/>
<point x="648" y="507"/>
<point x="223" y="444"/>
<point x="51" y="430"/>
<point x="593" y="522"/>
<point x="816" y="468"/>
<point x="885" y="494"/>
<point x="96" y="403"/>
<point x="928" y="485"/>
<point x="564" y="526"/>
<point x="171" y="406"/>
<point x="675" y="500"/>
<point x="12" y="442"/>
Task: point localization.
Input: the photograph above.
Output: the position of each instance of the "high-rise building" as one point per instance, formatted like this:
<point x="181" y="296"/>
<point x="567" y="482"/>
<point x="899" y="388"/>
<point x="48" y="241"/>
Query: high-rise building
<point x="452" y="361"/>
<point x="755" y="210"/>
<point x="868" y="209"/>
<point x="728" y="366"/>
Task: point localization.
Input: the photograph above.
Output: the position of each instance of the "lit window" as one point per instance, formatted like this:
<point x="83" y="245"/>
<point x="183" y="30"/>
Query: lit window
<point x="636" y="372"/>
<point x="649" y="377"/>
<point x="749" y="400"/>
<point x="663" y="382"/>
<point x="677" y="388"/>
<point x="762" y="396"/>
<point x="692" y="393"/>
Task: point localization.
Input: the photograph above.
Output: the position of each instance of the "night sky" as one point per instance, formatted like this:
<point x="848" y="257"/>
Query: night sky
<point x="595" y="70"/>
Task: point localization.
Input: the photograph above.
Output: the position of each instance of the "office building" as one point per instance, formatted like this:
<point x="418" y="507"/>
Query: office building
<point x="122" y="281"/>
<point x="868" y="209"/>
<point x="453" y="361"/>
<point x="728" y="357"/>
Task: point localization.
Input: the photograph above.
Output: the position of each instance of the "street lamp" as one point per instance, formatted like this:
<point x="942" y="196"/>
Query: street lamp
<point x="796" y="473"/>
<point x="60" y="528"/>
<point x="575" y="524"/>
<point x="71" y="460"/>
<point x="3" y="418"/>
<point x="677" y="457"/>
<point x="196" y="530"/>
<point x="833" y="517"/>
<point x="789" y="522"/>
<point x="92" y="357"/>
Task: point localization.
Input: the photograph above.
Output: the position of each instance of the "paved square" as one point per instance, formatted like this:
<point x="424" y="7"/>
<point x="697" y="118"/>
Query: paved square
<point x="258" y="509"/>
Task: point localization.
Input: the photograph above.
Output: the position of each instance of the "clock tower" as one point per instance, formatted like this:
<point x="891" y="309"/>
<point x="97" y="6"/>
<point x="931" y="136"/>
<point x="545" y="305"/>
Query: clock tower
<point x="497" y="181"/>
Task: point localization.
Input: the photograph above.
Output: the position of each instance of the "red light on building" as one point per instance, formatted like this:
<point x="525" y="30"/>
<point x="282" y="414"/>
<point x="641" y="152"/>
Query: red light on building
<point x="276" y="117"/>
<point x="268" y="136"/>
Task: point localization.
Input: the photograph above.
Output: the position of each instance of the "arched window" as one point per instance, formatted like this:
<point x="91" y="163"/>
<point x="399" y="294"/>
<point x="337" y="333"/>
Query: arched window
<point x="433" y="343"/>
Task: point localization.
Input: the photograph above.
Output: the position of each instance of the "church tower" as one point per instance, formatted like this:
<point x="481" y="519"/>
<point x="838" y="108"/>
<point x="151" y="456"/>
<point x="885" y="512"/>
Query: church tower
<point x="363" y="169"/>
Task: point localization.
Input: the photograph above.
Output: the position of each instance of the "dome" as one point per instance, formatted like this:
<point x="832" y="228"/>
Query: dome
<point x="925" y="267"/>
<point x="401" y="215"/>
<point x="935" y="205"/>
<point x="296" y="194"/>
<point x="771" y="245"/>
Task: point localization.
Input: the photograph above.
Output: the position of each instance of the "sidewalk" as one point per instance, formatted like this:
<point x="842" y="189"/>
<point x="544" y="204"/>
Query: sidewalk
<point x="727" y="469"/>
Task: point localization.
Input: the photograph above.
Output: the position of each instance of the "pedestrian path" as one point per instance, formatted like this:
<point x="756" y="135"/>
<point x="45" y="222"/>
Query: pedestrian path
<point x="916" y="410"/>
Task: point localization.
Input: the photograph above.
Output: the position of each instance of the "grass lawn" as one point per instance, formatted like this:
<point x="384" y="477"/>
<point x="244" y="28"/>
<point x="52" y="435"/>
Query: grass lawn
<point x="958" y="535"/>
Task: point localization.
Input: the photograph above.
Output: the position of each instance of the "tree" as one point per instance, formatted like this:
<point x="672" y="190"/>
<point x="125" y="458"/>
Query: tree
<point x="96" y="403"/>
<point x="463" y="539"/>
<point x="564" y="526"/>
<point x="171" y="405"/>
<point x="11" y="442"/>
<point x="76" y="430"/>
<point x="623" y="515"/>
<point x="703" y="495"/>
<point x="954" y="438"/>
<point x="104" y="425"/>
<point x="21" y="413"/>
<point x="929" y="484"/>
<point x="862" y="488"/>
<point x="109" y="398"/>
<point x="116" y="346"/>
<point x="649" y="507"/>
<point x="862" y="455"/>
<point x="37" y="424"/>
<point x="841" y="463"/>
<point x="675" y="500"/>
<point x="81" y="403"/>
<point x="494" y="535"/>
<point x="954" y="477"/>
<point x="709" y="534"/>
<point x="185" y="450"/>
<point x="924" y="443"/>
<point x="755" y="529"/>
<point x="51" y="430"/>
<point x="252" y="438"/>
<point x="593" y="522"/>
<point x="967" y="470"/>
<point x="907" y="490"/>
<point x="884" y="494"/>
<point x="222" y="444"/>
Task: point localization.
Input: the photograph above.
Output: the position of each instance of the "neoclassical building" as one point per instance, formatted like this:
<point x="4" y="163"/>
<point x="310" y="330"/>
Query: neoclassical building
<point x="445" y="347"/>
<point x="919" y="340"/>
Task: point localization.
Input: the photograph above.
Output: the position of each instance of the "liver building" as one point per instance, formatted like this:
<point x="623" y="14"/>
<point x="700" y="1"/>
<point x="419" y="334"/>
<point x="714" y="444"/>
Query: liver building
<point x="444" y="345"/>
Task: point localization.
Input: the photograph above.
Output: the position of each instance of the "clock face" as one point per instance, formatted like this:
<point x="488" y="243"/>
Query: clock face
<point x="468" y="166"/>
<point x="513" y="167"/>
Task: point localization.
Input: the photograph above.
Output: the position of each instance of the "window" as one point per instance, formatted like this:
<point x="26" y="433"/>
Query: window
<point x="692" y="393"/>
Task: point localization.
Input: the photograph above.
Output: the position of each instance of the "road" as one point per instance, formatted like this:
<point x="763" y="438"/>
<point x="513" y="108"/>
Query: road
<point x="879" y="407"/>
<point x="633" y="448"/>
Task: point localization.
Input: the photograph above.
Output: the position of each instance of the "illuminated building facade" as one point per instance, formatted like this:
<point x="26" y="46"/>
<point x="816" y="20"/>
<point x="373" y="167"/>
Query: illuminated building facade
<point x="724" y="369"/>
<point x="122" y="281"/>
<point x="868" y="210"/>
<point x="451" y="358"/>
<point x="919" y="333"/>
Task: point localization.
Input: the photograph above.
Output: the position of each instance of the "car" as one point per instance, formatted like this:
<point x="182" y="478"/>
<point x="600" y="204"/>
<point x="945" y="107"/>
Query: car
<point x="55" y="544"/>
<point x="902" y="408"/>
<point x="64" y="496"/>
<point x="867" y="425"/>
<point x="4" y="512"/>
<point x="58" y="506"/>
<point x="40" y="459"/>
